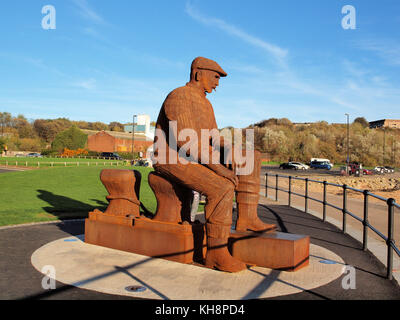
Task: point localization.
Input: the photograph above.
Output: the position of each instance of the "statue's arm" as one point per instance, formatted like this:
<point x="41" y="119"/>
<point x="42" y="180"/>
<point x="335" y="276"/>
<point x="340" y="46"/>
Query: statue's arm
<point x="178" y="107"/>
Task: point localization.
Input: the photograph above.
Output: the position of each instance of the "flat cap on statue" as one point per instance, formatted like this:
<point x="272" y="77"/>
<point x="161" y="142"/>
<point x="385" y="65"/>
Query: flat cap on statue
<point x="207" y="64"/>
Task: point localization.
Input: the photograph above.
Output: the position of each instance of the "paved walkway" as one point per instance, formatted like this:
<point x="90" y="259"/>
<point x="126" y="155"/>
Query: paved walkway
<point x="19" y="280"/>
<point x="378" y="210"/>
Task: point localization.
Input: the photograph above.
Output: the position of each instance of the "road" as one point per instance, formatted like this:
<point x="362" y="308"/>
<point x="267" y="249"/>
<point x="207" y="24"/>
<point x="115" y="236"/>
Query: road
<point x="4" y="170"/>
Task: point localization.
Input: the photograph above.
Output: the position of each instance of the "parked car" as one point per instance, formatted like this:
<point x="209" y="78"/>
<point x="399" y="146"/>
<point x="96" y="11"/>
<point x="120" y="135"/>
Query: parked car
<point x="389" y="169"/>
<point x="288" y="165"/>
<point x="142" y="163"/>
<point x="34" y="155"/>
<point x="381" y="170"/>
<point x="367" y="172"/>
<point x="300" y="166"/>
<point x="110" y="155"/>
<point x="321" y="160"/>
<point x="321" y="165"/>
<point x="357" y="169"/>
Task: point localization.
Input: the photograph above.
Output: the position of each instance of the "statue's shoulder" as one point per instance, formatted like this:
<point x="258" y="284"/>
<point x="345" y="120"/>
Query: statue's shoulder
<point x="181" y="92"/>
<point x="178" y="101"/>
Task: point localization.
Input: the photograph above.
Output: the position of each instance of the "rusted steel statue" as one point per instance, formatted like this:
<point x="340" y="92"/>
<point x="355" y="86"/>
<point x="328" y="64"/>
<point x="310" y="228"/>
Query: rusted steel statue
<point x="189" y="108"/>
<point x="186" y="160"/>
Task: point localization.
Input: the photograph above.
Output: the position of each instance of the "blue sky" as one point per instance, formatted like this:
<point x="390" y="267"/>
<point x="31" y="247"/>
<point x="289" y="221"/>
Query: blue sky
<point x="107" y="60"/>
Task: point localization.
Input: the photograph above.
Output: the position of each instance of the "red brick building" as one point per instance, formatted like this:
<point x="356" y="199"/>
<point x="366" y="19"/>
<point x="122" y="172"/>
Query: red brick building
<point x="111" y="141"/>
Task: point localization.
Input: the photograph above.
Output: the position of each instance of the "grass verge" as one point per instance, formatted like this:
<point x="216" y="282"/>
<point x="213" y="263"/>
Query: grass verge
<point x="58" y="193"/>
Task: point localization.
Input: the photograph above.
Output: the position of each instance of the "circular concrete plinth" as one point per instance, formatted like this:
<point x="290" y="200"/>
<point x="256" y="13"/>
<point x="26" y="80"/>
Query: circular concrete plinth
<point x="111" y="271"/>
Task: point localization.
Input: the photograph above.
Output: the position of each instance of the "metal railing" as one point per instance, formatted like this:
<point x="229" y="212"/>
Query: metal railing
<point x="391" y="205"/>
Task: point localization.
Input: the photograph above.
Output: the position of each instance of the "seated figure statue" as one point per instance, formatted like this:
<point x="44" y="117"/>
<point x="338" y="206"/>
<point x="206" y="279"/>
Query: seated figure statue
<point x="179" y="170"/>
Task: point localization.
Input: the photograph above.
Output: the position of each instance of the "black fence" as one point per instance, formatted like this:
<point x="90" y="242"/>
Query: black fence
<point x="391" y="205"/>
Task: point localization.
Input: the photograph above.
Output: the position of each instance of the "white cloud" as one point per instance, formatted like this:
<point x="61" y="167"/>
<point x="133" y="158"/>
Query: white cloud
<point x="278" y="53"/>
<point x="87" y="12"/>
<point x="388" y="50"/>
<point x="88" y="84"/>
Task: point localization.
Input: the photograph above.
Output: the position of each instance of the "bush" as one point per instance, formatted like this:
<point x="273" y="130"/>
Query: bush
<point x="93" y="153"/>
<point x="2" y="144"/>
<point x="128" y="155"/>
<point x="49" y="152"/>
<point x="74" y="153"/>
<point x="28" y="144"/>
<point x="72" y="139"/>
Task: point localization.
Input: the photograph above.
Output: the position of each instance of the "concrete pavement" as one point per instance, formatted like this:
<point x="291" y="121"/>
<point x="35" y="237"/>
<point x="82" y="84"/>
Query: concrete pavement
<point x="20" y="280"/>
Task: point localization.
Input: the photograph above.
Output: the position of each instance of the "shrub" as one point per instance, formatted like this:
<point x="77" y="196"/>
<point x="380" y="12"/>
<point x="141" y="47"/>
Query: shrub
<point x="74" y="153"/>
<point x="72" y="139"/>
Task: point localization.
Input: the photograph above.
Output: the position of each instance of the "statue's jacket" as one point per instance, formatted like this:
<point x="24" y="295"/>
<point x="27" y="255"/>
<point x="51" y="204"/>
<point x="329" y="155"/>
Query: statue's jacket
<point x="184" y="108"/>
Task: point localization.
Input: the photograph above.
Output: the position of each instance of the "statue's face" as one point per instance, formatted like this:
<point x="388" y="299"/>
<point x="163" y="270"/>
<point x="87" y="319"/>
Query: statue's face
<point x="209" y="80"/>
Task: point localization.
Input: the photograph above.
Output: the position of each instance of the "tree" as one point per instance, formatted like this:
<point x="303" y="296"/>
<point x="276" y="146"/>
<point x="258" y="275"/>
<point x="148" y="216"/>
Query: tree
<point x="5" y="121"/>
<point x="362" y="121"/>
<point x="98" y="126"/>
<point x="23" y="127"/>
<point x="2" y="144"/>
<point x="48" y="129"/>
<point x="116" y="126"/>
<point x="72" y="138"/>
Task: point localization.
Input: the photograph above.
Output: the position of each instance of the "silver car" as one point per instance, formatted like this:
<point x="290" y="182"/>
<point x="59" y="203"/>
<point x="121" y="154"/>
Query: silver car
<point x="300" y="166"/>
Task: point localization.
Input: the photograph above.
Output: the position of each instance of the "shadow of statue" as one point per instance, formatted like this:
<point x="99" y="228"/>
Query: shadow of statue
<point x="64" y="208"/>
<point x="61" y="205"/>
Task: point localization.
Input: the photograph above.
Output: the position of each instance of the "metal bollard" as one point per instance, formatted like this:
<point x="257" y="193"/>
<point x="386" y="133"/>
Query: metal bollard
<point x="365" y="221"/>
<point x="390" y="240"/>
<point x="306" y="197"/>
<point x="344" y="208"/>
<point x="324" y="203"/>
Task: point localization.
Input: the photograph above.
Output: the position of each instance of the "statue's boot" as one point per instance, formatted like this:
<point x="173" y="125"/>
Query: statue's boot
<point x="248" y="219"/>
<point x="218" y="255"/>
<point x="123" y="187"/>
<point x="247" y="197"/>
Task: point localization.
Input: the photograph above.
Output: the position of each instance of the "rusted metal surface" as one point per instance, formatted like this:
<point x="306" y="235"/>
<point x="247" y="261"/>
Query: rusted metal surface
<point x="170" y="234"/>
<point x="274" y="250"/>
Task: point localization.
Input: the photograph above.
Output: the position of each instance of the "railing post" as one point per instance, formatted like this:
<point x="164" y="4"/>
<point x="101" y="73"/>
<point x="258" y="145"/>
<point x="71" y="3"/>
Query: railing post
<point x="290" y="191"/>
<point x="306" y="197"/>
<point x="344" y="208"/>
<point x="324" y="203"/>
<point x="365" y="221"/>
<point x="276" y="187"/>
<point x="266" y="185"/>
<point x="390" y="241"/>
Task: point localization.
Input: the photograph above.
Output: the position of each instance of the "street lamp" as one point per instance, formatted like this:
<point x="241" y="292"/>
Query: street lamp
<point x="348" y="144"/>
<point x="133" y="137"/>
<point x="383" y="151"/>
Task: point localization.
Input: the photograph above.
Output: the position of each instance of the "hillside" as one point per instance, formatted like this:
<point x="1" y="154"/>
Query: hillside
<point x="284" y="141"/>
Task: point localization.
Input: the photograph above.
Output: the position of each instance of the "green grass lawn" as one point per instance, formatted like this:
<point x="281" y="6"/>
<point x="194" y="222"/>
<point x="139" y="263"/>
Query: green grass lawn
<point x="270" y="163"/>
<point x="58" y="193"/>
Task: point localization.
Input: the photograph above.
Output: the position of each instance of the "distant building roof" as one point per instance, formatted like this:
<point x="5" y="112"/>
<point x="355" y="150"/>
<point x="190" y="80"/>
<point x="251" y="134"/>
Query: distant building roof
<point x="122" y="135"/>
<point x="138" y="128"/>
<point x="386" y="123"/>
